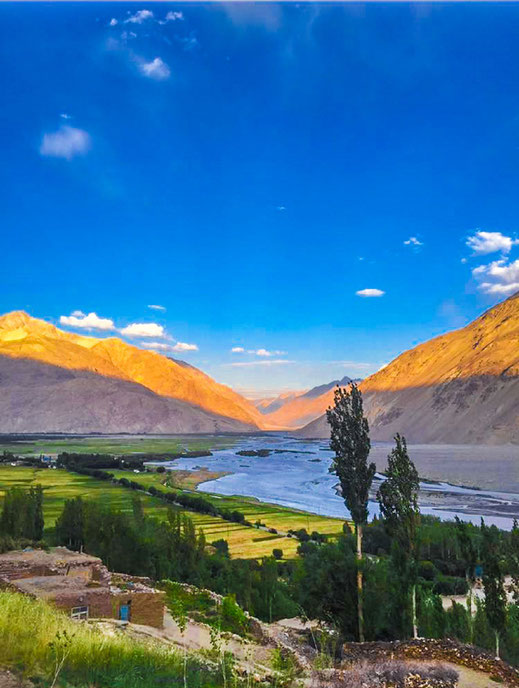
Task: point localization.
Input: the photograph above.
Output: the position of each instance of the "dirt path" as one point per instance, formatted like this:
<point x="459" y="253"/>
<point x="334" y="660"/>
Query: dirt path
<point x="469" y="678"/>
<point x="249" y="655"/>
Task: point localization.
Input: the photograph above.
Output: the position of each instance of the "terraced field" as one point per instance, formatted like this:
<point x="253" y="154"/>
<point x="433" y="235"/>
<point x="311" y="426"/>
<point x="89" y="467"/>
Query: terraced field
<point x="244" y="542"/>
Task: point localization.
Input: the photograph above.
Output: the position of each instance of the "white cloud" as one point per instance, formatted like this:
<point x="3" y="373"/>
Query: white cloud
<point x="156" y="69"/>
<point x="184" y="346"/>
<point x="237" y="350"/>
<point x="245" y="364"/>
<point x="139" y="17"/>
<point x="113" y="22"/>
<point x="88" y="322"/>
<point x="482" y="243"/>
<point x="368" y="293"/>
<point x="159" y="346"/>
<point x="143" y="330"/>
<point x="171" y="16"/>
<point x="156" y="307"/>
<point x="65" y="116"/>
<point x="265" y="352"/>
<point x="66" y="142"/>
<point x="281" y="208"/>
<point x="498" y="277"/>
<point x="413" y="241"/>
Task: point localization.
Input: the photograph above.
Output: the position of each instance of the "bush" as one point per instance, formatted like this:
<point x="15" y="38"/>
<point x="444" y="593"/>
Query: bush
<point x="234" y="619"/>
<point x="450" y="585"/>
<point x="277" y="553"/>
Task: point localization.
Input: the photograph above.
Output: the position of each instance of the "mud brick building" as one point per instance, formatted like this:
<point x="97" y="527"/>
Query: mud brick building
<point x="81" y="585"/>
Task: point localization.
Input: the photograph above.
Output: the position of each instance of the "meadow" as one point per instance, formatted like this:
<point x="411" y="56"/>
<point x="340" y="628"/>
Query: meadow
<point x="244" y="542"/>
<point x="35" y="638"/>
<point x="106" y="444"/>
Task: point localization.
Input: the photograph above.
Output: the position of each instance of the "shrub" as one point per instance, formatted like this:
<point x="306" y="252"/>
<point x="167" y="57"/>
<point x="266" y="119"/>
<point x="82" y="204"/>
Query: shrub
<point x="277" y="553"/>
<point x="450" y="585"/>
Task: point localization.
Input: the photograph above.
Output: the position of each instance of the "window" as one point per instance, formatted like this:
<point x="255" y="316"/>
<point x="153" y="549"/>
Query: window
<point x="79" y="612"/>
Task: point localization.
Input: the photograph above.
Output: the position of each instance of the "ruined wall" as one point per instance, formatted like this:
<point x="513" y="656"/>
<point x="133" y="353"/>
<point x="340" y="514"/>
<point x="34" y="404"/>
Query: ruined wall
<point x="431" y="649"/>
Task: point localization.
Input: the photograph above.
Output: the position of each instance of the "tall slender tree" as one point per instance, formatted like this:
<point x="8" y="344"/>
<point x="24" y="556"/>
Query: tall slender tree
<point x="398" y="499"/>
<point x="469" y="554"/>
<point x="495" y="596"/>
<point x="351" y="444"/>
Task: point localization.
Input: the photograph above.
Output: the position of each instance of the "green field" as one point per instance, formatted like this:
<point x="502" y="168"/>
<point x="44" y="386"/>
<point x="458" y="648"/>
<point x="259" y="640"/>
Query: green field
<point x="118" y="444"/>
<point x="245" y="542"/>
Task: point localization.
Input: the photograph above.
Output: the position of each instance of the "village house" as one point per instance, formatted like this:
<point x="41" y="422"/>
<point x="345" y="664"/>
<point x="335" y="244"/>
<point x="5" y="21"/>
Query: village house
<point x="81" y="585"/>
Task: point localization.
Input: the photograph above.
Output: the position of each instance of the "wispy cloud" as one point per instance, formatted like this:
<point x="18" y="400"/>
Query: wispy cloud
<point x="413" y="241"/>
<point x="171" y="17"/>
<point x="245" y="364"/>
<point x="143" y="330"/>
<point x="370" y="293"/>
<point x="266" y="352"/>
<point x="184" y="346"/>
<point x="87" y="322"/>
<point x="499" y="277"/>
<point x="139" y="17"/>
<point x="156" y="307"/>
<point x="66" y="142"/>
<point x="483" y="243"/>
<point x="238" y="350"/>
<point x="179" y="346"/>
<point x="156" y="69"/>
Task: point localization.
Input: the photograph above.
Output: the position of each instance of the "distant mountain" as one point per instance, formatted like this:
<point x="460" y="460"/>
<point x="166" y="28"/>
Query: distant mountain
<point x="271" y="404"/>
<point x="304" y="407"/>
<point x="52" y="380"/>
<point x="459" y="388"/>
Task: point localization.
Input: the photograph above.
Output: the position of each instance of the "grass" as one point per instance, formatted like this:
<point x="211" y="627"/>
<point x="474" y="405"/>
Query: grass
<point x="111" y="445"/>
<point x="33" y="635"/>
<point x="59" y="485"/>
<point x="275" y="516"/>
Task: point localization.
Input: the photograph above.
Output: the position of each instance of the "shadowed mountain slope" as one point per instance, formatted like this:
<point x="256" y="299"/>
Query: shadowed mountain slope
<point x="461" y="387"/>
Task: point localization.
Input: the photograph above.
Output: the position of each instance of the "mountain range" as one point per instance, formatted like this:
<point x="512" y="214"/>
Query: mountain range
<point x="55" y="381"/>
<point x="295" y="409"/>
<point x="460" y="387"/>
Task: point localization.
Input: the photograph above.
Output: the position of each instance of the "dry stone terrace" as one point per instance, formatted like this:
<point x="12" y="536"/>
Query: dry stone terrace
<point x="81" y="585"/>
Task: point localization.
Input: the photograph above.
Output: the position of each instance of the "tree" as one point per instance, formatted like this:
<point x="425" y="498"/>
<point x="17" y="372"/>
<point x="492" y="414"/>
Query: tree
<point x="495" y="596"/>
<point x="398" y="498"/>
<point x="70" y="524"/>
<point x="351" y="444"/>
<point x="470" y="557"/>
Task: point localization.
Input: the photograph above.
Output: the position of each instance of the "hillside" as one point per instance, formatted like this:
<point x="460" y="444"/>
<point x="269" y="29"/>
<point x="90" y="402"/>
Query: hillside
<point x="303" y="408"/>
<point x="271" y="404"/>
<point x="92" y="385"/>
<point x="461" y="387"/>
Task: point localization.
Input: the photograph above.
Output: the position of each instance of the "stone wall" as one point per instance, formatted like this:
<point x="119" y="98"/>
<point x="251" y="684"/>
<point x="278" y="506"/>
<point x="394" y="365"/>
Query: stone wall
<point x="431" y="649"/>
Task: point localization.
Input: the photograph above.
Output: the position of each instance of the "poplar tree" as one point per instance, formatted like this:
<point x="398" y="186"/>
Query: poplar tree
<point x="495" y="596"/>
<point x="470" y="557"/>
<point x="351" y="444"/>
<point x="398" y="499"/>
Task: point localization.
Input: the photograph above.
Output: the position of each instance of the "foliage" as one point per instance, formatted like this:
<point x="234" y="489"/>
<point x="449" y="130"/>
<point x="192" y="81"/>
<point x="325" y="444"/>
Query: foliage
<point x="89" y="657"/>
<point x="22" y="513"/>
<point x="351" y="444"/>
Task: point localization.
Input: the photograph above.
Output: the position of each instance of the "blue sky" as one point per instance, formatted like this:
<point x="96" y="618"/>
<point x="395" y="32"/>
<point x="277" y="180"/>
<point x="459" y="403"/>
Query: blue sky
<point x="251" y="168"/>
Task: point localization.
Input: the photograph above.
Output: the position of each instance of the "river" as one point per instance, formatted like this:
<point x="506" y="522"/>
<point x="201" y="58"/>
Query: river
<point x="472" y="482"/>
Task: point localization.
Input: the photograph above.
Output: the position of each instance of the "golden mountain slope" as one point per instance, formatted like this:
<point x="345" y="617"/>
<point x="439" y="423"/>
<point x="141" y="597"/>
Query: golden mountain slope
<point x="22" y="336"/>
<point x="304" y="407"/>
<point x="461" y="387"/>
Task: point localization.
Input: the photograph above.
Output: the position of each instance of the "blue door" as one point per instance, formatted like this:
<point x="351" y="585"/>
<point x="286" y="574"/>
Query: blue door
<point x="124" y="612"/>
